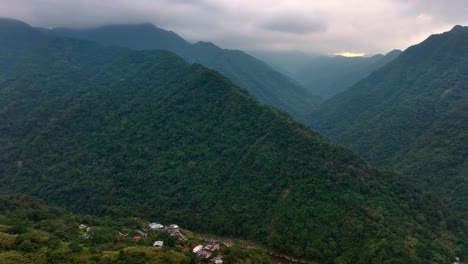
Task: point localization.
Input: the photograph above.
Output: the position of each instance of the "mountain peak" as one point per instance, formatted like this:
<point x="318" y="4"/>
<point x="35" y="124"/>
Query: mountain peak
<point x="5" y="21"/>
<point x="9" y="24"/>
<point x="206" y="44"/>
<point x="395" y="51"/>
<point x="15" y="33"/>
<point x="457" y="28"/>
<point x="135" y="36"/>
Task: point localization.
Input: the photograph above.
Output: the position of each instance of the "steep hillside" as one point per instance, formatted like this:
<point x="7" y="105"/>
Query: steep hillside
<point x="412" y="114"/>
<point x="252" y="74"/>
<point x="264" y="83"/>
<point x="118" y="132"/>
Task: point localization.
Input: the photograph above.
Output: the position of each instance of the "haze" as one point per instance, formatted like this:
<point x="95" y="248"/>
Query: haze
<point x="332" y="27"/>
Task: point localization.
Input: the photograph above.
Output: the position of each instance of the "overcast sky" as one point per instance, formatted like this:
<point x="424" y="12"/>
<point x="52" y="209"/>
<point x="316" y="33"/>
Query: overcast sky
<point x="316" y="26"/>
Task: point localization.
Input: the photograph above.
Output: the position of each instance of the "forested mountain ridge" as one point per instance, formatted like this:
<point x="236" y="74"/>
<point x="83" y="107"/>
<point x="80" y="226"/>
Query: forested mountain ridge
<point x="111" y="131"/>
<point x="264" y="83"/>
<point x="138" y="36"/>
<point x="412" y="115"/>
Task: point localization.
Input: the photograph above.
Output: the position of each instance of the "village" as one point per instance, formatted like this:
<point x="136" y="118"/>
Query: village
<point x="208" y="252"/>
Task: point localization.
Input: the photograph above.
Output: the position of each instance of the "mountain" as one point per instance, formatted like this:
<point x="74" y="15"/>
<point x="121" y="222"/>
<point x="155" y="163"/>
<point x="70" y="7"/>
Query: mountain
<point x="18" y="45"/>
<point x="412" y="115"/>
<point x="260" y="80"/>
<point x="139" y="36"/>
<point x="111" y="131"/>
<point x="327" y="76"/>
<point x="287" y="62"/>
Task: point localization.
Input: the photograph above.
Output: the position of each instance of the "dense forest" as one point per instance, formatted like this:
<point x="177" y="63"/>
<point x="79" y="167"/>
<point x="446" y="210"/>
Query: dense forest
<point x="260" y="80"/>
<point x="412" y="115"/>
<point x="115" y="132"/>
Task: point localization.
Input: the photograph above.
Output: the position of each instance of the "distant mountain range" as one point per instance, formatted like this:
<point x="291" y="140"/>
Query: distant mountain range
<point x="287" y="62"/>
<point x="326" y="76"/>
<point x="267" y="85"/>
<point x="412" y="115"/>
<point x="117" y="132"/>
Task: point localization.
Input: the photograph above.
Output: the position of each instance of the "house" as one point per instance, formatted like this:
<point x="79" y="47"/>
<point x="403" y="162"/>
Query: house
<point x="141" y="232"/>
<point x="204" y="254"/>
<point x="217" y="260"/>
<point x="87" y="234"/>
<point x="82" y="226"/>
<point x="124" y="234"/>
<point x="212" y="246"/>
<point x="136" y="238"/>
<point x="156" y="226"/>
<point x="197" y="248"/>
<point x="173" y="226"/>
<point x="176" y="232"/>
<point x="158" y="243"/>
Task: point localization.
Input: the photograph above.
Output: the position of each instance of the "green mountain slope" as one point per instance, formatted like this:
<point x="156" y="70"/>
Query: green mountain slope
<point x="412" y="115"/>
<point x="264" y="83"/>
<point x="142" y="133"/>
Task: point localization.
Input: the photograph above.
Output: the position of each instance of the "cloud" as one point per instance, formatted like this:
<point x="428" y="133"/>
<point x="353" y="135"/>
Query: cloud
<point x="330" y="26"/>
<point x="294" y="24"/>
<point x="449" y="11"/>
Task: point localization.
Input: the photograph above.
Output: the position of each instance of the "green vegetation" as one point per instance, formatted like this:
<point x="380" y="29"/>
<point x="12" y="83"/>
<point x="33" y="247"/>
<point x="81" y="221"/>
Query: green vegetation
<point x="52" y="235"/>
<point x="120" y="133"/>
<point x="264" y="83"/>
<point x="412" y="115"/>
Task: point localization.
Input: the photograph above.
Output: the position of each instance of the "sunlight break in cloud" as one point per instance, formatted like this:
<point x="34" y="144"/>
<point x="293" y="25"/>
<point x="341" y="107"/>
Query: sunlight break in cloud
<point x="350" y="54"/>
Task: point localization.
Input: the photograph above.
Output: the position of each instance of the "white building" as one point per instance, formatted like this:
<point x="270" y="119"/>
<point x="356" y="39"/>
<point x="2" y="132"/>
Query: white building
<point x="158" y="243"/>
<point x="155" y="226"/>
<point x="197" y="249"/>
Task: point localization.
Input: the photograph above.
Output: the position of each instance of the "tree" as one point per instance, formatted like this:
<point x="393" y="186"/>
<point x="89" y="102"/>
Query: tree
<point x="27" y="246"/>
<point x="53" y="243"/>
<point x="75" y="247"/>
